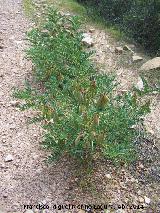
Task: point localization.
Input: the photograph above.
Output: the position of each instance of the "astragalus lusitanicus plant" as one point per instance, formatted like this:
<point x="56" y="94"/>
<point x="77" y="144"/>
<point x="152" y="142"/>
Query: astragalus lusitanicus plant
<point x="77" y="105"/>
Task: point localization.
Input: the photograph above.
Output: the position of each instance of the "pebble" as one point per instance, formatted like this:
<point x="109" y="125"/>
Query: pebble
<point x="18" y="42"/>
<point x="119" y="211"/>
<point x="139" y="192"/>
<point x="92" y="30"/>
<point x="141" y="166"/>
<point x="136" y="58"/>
<point x="141" y="200"/>
<point x="2" y="166"/>
<point x="133" y="180"/>
<point x="12" y="38"/>
<point x="119" y="50"/>
<point x="147" y="200"/>
<point x="13" y="126"/>
<point x="81" y="211"/>
<point x="149" y="130"/>
<point x="8" y="158"/>
<point x="5" y="195"/>
<point x="87" y="40"/>
<point x="14" y="103"/>
<point x="108" y="176"/>
<point x="140" y="85"/>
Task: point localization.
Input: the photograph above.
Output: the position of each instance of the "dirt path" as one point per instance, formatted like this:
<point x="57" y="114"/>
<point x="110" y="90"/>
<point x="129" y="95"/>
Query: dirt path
<point x="26" y="178"/>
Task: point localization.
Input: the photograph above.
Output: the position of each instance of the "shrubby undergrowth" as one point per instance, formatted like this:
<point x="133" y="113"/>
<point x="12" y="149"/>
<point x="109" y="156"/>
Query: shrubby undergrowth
<point x="78" y="107"/>
<point x="140" y="19"/>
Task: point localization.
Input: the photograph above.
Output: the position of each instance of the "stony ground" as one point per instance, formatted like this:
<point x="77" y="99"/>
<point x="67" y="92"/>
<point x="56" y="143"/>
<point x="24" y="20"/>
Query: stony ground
<point x="25" y="177"/>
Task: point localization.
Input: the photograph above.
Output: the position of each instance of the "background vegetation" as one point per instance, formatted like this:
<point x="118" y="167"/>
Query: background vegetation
<point x="140" y="19"/>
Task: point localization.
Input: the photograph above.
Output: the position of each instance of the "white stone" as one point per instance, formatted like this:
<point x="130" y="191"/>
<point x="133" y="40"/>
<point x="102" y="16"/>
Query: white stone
<point x="147" y="200"/>
<point x="133" y="180"/>
<point x="92" y="30"/>
<point x="18" y="42"/>
<point x="87" y="40"/>
<point x="119" y="211"/>
<point x="13" y="126"/>
<point x="67" y="14"/>
<point x="141" y="200"/>
<point x="151" y="64"/>
<point x="14" y="103"/>
<point x="108" y="176"/>
<point x="140" y="84"/>
<point x="141" y="166"/>
<point x="8" y="158"/>
<point x="136" y="58"/>
<point x="81" y="211"/>
<point x="150" y="131"/>
<point x="12" y="38"/>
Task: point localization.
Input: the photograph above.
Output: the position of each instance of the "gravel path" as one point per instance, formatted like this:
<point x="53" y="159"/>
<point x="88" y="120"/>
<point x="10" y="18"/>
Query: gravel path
<point x="26" y="178"/>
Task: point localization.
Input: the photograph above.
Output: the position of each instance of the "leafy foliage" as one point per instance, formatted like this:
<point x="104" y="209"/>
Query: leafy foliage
<point x="80" y="112"/>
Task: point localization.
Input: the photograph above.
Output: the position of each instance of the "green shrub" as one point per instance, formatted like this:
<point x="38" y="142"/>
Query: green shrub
<point x="140" y="19"/>
<point x="80" y="112"/>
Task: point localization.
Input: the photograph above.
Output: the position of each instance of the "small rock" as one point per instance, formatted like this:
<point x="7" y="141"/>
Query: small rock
<point x="5" y="195"/>
<point x="150" y="131"/>
<point x="12" y="126"/>
<point x="18" y="42"/>
<point x="67" y="14"/>
<point x="139" y="192"/>
<point x="136" y="58"/>
<point x="108" y="176"/>
<point x="92" y="30"/>
<point x="119" y="50"/>
<point x="81" y="211"/>
<point x="14" y="103"/>
<point x="151" y="64"/>
<point x="141" y="200"/>
<point x="140" y="85"/>
<point x="141" y="166"/>
<point x="147" y="200"/>
<point x="119" y="211"/>
<point x="2" y="166"/>
<point x="12" y="38"/>
<point x="87" y="40"/>
<point x="133" y="180"/>
<point x="9" y="158"/>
